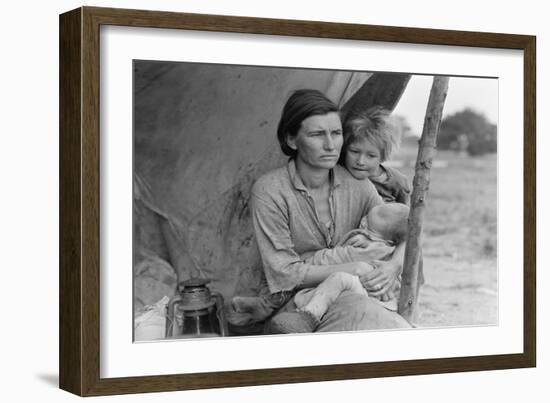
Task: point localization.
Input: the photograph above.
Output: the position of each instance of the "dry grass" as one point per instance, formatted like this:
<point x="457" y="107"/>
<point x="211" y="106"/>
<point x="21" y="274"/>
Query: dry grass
<point x="460" y="240"/>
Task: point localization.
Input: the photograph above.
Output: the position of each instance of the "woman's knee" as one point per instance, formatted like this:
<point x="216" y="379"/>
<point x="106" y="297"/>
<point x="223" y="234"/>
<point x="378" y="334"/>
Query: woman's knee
<point x="352" y="311"/>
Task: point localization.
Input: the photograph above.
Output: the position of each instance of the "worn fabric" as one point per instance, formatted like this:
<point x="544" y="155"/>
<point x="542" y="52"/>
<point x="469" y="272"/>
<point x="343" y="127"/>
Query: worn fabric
<point x="203" y="134"/>
<point x="263" y="307"/>
<point x="352" y="311"/>
<point x="286" y="224"/>
<point x="260" y="308"/>
<point x="316" y="301"/>
<point x="293" y="322"/>
<point x="392" y="185"/>
<point x="376" y="249"/>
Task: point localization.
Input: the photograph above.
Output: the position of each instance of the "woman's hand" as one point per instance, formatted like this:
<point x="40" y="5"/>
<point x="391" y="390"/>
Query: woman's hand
<point x="361" y="269"/>
<point x="357" y="241"/>
<point x="380" y="280"/>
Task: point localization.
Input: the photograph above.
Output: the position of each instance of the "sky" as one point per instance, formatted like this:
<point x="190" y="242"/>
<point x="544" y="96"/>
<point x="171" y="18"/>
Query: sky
<point x="479" y="94"/>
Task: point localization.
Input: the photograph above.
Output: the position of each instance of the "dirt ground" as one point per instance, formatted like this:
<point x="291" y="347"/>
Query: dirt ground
<point x="460" y="240"/>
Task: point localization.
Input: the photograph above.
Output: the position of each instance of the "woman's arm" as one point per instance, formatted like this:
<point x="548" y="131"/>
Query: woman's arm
<point x="316" y="274"/>
<point x="376" y="273"/>
<point x="283" y="267"/>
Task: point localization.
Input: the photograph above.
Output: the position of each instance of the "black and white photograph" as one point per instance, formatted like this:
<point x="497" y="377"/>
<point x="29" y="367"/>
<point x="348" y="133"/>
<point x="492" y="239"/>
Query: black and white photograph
<point x="243" y="201"/>
<point x="270" y="200"/>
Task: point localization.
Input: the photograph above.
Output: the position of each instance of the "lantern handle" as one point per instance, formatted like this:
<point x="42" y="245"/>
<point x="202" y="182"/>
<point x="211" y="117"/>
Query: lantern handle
<point x="220" y="313"/>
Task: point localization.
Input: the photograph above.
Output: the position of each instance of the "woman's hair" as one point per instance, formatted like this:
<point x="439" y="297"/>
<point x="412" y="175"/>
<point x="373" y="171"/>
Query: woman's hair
<point x="301" y="105"/>
<point x="374" y="125"/>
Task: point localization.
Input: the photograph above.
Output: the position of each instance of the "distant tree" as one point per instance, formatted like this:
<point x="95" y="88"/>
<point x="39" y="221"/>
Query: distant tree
<point x="402" y="125"/>
<point x="470" y="130"/>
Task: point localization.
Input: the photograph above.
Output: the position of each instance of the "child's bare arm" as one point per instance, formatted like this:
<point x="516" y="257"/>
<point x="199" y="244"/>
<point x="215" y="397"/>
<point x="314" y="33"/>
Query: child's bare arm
<point x="334" y="256"/>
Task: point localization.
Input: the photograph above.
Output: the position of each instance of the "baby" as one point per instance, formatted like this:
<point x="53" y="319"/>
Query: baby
<point x="384" y="227"/>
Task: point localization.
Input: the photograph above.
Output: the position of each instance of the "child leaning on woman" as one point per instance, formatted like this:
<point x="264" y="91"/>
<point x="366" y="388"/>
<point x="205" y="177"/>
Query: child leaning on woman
<point x="369" y="140"/>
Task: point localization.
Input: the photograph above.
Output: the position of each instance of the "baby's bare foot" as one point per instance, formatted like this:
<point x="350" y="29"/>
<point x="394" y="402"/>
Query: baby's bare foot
<point x="252" y="305"/>
<point x="245" y="304"/>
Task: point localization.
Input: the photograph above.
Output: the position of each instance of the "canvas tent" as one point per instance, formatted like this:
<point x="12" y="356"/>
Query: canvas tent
<point x="202" y="135"/>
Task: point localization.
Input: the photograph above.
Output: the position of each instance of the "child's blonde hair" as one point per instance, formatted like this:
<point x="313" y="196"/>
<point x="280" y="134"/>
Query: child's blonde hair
<point x="375" y="125"/>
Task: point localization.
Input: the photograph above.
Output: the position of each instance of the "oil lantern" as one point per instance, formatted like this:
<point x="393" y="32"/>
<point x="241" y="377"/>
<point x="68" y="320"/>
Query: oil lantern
<point x="195" y="311"/>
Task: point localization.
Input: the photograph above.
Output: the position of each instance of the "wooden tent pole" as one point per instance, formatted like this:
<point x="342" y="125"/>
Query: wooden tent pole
<point x="426" y="151"/>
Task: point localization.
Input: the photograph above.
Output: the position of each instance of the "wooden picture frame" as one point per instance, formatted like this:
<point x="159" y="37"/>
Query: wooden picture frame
<point x="79" y="346"/>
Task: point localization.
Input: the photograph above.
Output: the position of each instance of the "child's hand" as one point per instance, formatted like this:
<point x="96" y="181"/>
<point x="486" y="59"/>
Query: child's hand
<point x="357" y="241"/>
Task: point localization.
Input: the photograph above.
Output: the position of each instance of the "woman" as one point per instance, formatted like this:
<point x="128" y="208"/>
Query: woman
<point x="310" y="204"/>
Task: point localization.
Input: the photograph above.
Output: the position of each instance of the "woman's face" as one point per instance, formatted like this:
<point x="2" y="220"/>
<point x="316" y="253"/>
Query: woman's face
<point x="363" y="159"/>
<point x="319" y="141"/>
